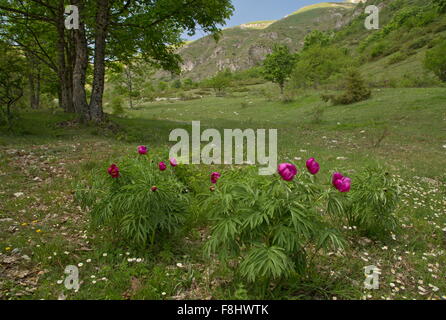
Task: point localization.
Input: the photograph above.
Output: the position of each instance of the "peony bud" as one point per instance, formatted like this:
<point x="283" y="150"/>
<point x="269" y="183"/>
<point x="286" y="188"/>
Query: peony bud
<point x="287" y="171"/>
<point x="162" y="166"/>
<point x="113" y="171"/>
<point x="343" y="184"/>
<point x="173" y="162"/>
<point x="312" y="166"/>
<point x="215" y="176"/>
<point x="142" y="150"/>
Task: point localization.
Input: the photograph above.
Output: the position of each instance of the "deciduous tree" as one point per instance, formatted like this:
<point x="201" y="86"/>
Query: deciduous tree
<point x="278" y="65"/>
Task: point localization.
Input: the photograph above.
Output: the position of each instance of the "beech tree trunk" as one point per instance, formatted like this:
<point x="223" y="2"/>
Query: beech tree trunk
<point x="102" y="17"/>
<point x="66" y="101"/>
<point x="33" y="81"/>
<point x="34" y="90"/>
<point x="80" y="69"/>
<point x="128" y="74"/>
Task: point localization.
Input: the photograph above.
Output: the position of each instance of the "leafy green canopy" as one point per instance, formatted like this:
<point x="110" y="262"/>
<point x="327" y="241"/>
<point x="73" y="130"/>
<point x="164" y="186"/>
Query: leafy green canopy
<point x="278" y="65"/>
<point x="153" y="29"/>
<point x="12" y="80"/>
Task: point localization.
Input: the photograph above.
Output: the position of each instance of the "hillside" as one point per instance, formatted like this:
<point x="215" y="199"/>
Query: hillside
<point x="245" y="46"/>
<point x="396" y="56"/>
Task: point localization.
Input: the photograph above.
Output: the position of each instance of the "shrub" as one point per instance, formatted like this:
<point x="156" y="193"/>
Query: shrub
<point x="441" y="5"/>
<point x="188" y="83"/>
<point x="397" y="57"/>
<point x="317" y="64"/>
<point x="249" y="76"/>
<point x="317" y="114"/>
<point x="435" y="61"/>
<point x="418" y="81"/>
<point x="317" y="38"/>
<point x="176" y="84"/>
<point x="220" y="82"/>
<point x="162" y="86"/>
<point x="422" y="18"/>
<point x="371" y="204"/>
<point x="271" y="224"/>
<point x="419" y="43"/>
<point x="130" y="206"/>
<point x="409" y="16"/>
<point x="379" y="49"/>
<point x="355" y="90"/>
<point x="116" y="105"/>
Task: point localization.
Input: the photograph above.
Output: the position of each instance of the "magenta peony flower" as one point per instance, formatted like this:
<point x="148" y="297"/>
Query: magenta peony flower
<point x="173" y="162"/>
<point x="215" y="176"/>
<point x="162" y="166"/>
<point x="113" y="171"/>
<point x="287" y="171"/>
<point x="154" y="188"/>
<point x="343" y="184"/>
<point x="142" y="150"/>
<point x="336" y="176"/>
<point x="312" y="166"/>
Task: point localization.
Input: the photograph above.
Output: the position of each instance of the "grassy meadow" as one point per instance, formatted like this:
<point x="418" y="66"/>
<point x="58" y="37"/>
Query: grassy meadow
<point x="43" y="228"/>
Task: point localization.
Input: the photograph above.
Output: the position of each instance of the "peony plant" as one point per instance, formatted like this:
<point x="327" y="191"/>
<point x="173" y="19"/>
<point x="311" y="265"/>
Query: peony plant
<point x="268" y="223"/>
<point x="369" y="204"/>
<point x="136" y="200"/>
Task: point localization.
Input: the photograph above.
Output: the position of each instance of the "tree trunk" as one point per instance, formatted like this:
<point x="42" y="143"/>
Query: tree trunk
<point x="69" y="54"/>
<point x="102" y="16"/>
<point x="37" y="95"/>
<point x="128" y="74"/>
<point x="33" y="80"/>
<point x="32" y="90"/>
<point x="80" y="70"/>
<point x="66" y="101"/>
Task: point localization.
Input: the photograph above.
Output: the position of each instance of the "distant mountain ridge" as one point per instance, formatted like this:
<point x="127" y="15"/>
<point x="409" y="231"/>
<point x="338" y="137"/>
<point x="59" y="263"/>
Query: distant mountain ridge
<point x="245" y="46"/>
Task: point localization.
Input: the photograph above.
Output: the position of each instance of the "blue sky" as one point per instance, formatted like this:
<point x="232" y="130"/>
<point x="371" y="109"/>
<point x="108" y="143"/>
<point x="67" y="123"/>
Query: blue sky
<point x="254" y="10"/>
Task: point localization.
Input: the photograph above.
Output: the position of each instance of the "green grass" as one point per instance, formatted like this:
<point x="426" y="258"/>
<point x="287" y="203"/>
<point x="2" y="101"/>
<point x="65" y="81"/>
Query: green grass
<point x="402" y="129"/>
<point x="410" y="121"/>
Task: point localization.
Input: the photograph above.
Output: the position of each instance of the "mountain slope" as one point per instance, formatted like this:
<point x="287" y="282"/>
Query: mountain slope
<point x="245" y="46"/>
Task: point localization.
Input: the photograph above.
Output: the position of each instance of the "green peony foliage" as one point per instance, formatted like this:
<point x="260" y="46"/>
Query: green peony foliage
<point x="269" y="223"/>
<point x="142" y="205"/>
